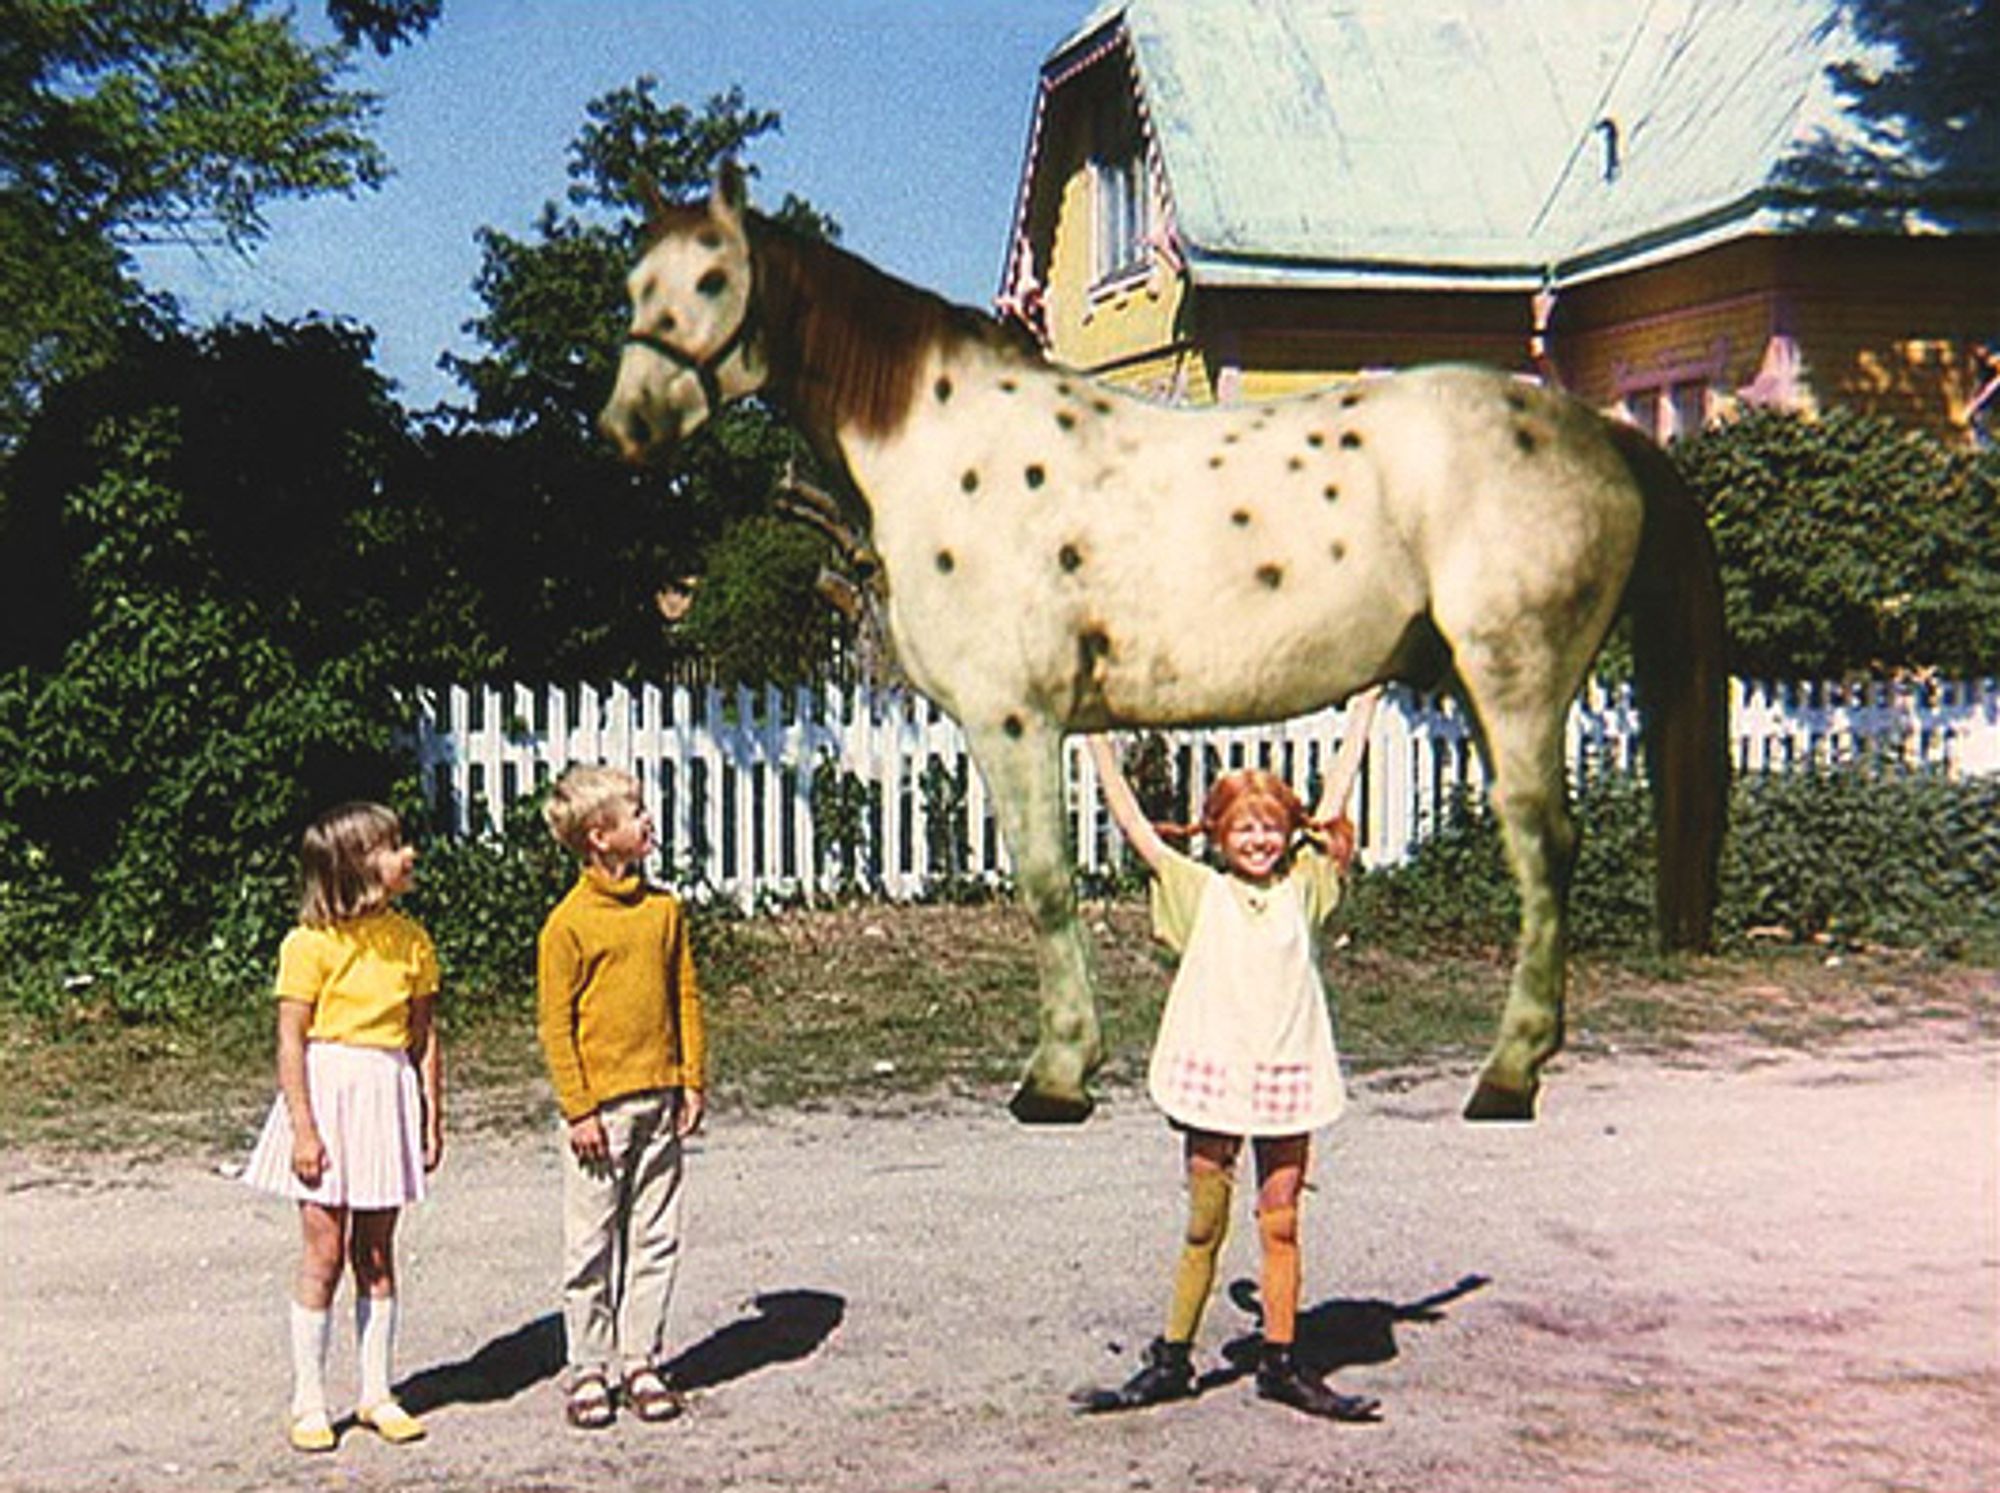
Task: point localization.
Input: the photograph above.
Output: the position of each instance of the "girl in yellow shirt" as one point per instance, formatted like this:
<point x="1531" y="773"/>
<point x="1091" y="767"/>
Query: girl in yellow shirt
<point x="358" y="1121"/>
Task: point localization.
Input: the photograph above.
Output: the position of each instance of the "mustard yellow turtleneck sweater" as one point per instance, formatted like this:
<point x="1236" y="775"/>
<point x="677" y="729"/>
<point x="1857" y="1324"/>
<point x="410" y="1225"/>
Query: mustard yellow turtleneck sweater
<point x="620" y="1012"/>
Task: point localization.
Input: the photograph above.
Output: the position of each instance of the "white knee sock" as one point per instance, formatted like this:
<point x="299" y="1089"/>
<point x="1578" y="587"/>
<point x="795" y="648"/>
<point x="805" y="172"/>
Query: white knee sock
<point x="310" y="1331"/>
<point x="375" y="1343"/>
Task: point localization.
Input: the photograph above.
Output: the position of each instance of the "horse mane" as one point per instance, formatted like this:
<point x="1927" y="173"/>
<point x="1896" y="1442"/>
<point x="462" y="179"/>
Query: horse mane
<point x="847" y="343"/>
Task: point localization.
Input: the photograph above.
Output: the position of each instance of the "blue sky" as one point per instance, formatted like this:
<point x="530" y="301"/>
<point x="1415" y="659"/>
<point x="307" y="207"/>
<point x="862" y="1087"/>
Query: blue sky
<point x="906" y="121"/>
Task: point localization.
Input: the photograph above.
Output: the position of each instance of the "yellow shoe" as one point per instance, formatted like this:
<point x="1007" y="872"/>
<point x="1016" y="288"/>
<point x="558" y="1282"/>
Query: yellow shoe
<point x="391" y="1422"/>
<point x="310" y="1433"/>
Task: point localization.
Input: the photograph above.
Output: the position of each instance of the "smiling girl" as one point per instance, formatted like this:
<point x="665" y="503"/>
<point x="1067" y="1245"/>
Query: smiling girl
<point x="1245" y="1048"/>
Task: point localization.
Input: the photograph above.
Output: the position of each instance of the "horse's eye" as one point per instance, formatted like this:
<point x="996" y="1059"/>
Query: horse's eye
<point x="712" y="284"/>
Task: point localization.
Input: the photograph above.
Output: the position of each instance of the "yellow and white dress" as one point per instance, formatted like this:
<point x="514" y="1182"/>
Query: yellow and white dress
<point x="359" y="977"/>
<point x="1245" y="1044"/>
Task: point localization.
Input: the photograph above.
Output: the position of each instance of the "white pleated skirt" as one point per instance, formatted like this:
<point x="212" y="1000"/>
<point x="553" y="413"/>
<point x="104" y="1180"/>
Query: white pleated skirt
<point x="368" y="1106"/>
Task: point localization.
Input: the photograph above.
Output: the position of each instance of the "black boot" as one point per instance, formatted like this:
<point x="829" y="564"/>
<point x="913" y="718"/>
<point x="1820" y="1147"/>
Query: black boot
<point x="1280" y="1378"/>
<point x="1168" y="1374"/>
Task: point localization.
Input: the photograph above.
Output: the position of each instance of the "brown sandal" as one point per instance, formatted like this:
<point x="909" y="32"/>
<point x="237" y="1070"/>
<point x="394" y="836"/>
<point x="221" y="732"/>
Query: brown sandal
<point x="651" y="1397"/>
<point x="589" y="1404"/>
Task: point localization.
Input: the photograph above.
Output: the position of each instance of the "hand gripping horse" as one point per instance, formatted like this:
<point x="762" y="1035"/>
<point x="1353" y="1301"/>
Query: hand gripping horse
<point x="1060" y="556"/>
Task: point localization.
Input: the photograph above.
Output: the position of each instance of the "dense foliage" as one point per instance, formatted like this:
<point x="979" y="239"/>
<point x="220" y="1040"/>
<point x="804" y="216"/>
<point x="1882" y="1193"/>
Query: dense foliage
<point x="1855" y="854"/>
<point x="130" y="122"/>
<point x="1851" y="546"/>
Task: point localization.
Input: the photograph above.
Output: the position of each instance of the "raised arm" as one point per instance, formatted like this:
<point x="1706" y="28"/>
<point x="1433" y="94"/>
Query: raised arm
<point x="1124" y="804"/>
<point x="1347" y="761"/>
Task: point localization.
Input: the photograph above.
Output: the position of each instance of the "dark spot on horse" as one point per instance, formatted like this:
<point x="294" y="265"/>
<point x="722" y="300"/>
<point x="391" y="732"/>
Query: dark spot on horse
<point x="1315" y="439"/>
<point x="1230" y="438"/>
<point x="709" y="238"/>
<point x="1524" y="438"/>
<point x="1350" y="399"/>
<point x="1339" y="551"/>
<point x="1066" y="420"/>
<point x="1240" y="518"/>
<point x="1035" y="476"/>
<point x="945" y="563"/>
<point x="970" y="481"/>
<point x="1350" y="441"/>
<point x="1102" y="406"/>
<point x="1062" y="387"/>
<point x="1332" y="491"/>
<point x="942" y="388"/>
<point x="1272" y="576"/>
<point x="1070" y="557"/>
<point x="1008" y="386"/>
<point x="1214" y="461"/>
<point x="1013" y="726"/>
<point x="1295" y="463"/>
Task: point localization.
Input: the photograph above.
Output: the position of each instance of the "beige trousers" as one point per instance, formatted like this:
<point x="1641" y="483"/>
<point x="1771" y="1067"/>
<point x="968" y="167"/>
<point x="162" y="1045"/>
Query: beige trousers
<point x="622" y="1237"/>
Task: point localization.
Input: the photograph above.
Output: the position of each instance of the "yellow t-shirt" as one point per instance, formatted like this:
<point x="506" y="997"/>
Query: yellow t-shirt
<point x="359" y="977"/>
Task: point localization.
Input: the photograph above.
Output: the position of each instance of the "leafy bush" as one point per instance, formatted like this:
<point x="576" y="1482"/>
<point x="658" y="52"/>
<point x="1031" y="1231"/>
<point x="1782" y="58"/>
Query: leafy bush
<point x="1850" y="545"/>
<point x="1872" y="853"/>
<point x="483" y="899"/>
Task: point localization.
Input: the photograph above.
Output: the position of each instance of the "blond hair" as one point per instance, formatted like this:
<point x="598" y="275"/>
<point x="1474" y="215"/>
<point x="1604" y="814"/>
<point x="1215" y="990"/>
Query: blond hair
<point x="337" y="878"/>
<point x="578" y="802"/>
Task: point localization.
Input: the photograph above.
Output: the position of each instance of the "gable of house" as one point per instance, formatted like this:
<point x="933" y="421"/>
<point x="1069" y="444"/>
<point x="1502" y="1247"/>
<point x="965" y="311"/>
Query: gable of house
<point x="1495" y="153"/>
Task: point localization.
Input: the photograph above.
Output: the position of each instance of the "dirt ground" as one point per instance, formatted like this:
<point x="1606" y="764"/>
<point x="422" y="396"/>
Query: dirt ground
<point x="1743" y="1271"/>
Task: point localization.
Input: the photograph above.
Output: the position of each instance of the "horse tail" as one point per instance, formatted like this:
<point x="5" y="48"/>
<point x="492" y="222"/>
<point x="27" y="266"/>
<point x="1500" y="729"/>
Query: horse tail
<point x="1678" y="654"/>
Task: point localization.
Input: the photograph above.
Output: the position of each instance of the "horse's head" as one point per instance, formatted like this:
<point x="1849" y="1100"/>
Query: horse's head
<point x="691" y="345"/>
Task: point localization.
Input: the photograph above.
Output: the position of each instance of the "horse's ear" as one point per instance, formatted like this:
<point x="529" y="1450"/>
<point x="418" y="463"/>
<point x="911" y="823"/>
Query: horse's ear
<point x="731" y="192"/>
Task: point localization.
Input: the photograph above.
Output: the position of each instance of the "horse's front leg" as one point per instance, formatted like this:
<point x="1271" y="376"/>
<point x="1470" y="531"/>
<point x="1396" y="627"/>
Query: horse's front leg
<point x="1021" y="758"/>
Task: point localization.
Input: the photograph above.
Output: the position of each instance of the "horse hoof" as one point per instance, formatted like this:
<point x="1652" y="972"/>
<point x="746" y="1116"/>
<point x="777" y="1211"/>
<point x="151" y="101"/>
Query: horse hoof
<point x="1033" y="1106"/>
<point x="1490" y="1101"/>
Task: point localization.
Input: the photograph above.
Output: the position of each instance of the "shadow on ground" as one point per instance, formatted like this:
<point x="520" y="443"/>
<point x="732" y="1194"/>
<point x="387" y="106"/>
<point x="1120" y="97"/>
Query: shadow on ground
<point x="1335" y="1334"/>
<point x="781" y="1327"/>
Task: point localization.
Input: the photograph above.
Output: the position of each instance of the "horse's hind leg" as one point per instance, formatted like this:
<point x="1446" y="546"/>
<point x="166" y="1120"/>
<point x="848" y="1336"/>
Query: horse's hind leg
<point x="1530" y="799"/>
<point x="1021" y="759"/>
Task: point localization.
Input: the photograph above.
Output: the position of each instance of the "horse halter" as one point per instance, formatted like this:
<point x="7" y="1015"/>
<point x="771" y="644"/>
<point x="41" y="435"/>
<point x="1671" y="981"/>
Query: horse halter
<point x="704" y="369"/>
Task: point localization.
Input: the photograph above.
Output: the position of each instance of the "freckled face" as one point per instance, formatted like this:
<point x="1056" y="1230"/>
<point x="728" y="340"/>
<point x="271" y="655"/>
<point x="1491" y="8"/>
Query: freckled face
<point x="1253" y="843"/>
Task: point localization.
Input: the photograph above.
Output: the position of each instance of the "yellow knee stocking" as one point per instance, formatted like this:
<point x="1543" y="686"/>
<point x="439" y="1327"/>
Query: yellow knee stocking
<point x="1209" y="1194"/>
<point x="1279" y="1230"/>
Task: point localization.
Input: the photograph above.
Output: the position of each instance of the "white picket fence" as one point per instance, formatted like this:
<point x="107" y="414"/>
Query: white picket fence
<point x="730" y="773"/>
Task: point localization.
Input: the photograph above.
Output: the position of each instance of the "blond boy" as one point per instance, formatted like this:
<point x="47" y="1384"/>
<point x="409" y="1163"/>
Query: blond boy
<point x="620" y="1023"/>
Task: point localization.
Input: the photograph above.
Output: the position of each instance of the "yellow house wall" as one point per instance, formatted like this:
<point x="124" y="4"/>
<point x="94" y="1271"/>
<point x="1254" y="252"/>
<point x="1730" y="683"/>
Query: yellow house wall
<point x="1882" y="325"/>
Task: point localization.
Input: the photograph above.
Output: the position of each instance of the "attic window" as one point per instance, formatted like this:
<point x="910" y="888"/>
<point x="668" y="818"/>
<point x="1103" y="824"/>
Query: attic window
<point x="1120" y="203"/>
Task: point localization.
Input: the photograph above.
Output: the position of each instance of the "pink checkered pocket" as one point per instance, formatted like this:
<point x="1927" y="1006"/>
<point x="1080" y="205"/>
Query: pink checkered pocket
<point x="1280" y="1092"/>
<point x="1196" y="1080"/>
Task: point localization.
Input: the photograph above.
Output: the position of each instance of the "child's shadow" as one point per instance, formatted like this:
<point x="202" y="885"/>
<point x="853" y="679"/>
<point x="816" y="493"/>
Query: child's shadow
<point x="1334" y="1334"/>
<point x="783" y="1326"/>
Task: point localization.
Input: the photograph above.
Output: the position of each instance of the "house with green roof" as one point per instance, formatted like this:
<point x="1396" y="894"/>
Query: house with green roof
<point x="1670" y="207"/>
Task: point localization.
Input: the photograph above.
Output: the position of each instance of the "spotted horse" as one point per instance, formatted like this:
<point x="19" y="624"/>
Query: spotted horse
<point x="1059" y="556"/>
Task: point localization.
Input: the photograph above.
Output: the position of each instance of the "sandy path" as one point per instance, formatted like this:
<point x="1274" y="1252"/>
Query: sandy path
<point x="1779" y="1273"/>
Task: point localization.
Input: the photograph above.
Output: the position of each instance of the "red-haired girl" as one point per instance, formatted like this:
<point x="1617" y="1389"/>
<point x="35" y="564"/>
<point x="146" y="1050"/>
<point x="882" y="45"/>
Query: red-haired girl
<point x="1245" y="1047"/>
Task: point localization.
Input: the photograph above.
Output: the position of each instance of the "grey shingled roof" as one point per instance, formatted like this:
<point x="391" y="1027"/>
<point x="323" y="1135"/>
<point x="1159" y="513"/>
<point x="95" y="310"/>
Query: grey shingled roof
<point x="1368" y="141"/>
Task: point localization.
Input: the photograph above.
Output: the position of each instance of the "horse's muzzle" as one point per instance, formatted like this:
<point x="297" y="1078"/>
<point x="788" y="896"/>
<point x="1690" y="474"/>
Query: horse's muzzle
<point x="640" y="441"/>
